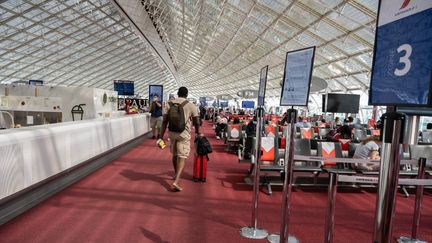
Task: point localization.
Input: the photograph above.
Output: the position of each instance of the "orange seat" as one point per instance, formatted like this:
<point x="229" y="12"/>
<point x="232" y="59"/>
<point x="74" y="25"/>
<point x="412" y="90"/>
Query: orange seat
<point x="234" y="131"/>
<point x="306" y="133"/>
<point x="376" y="132"/>
<point x="246" y="122"/>
<point x="267" y="149"/>
<point x="328" y="151"/>
<point x="270" y="130"/>
<point x="274" y="120"/>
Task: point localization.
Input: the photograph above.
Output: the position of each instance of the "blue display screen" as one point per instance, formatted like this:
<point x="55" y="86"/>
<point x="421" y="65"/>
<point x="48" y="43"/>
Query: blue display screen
<point x="156" y="90"/>
<point x="35" y="82"/>
<point x="124" y="87"/>
<point x="248" y="104"/>
<point x="223" y="104"/>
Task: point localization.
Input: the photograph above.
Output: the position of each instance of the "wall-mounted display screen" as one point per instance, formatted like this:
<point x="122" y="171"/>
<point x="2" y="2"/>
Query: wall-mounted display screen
<point x="223" y="104"/>
<point x="36" y="82"/>
<point x="124" y="87"/>
<point x="341" y="103"/>
<point x="156" y="90"/>
<point x="262" y="85"/>
<point x="248" y="104"/>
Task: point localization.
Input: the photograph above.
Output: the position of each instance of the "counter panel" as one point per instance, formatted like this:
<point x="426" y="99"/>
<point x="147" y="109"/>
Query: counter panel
<point x="31" y="155"/>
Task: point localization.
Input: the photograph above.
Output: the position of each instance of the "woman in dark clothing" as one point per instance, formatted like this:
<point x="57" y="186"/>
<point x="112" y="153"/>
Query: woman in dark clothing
<point x="344" y="132"/>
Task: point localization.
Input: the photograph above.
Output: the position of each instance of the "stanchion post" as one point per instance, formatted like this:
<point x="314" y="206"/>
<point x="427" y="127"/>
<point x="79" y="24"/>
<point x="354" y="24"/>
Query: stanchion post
<point x="253" y="232"/>
<point x="329" y="224"/>
<point x="419" y="195"/>
<point x="392" y="135"/>
<point x="417" y="206"/>
<point x="284" y="236"/>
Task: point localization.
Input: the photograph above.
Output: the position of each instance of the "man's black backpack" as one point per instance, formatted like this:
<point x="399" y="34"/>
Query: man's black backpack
<point x="176" y="117"/>
<point x="202" y="146"/>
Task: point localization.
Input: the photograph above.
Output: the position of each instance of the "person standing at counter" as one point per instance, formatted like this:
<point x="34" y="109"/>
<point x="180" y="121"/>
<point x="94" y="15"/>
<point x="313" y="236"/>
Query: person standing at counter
<point x="180" y="129"/>
<point x="156" y="116"/>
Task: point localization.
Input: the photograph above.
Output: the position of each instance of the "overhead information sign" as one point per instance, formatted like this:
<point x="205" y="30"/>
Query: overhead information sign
<point x="402" y="66"/>
<point x="297" y="77"/>
<point x="262" y="86"/>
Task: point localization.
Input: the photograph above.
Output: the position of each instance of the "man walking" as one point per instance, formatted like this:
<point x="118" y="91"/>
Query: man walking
<point x="179" y="119"/>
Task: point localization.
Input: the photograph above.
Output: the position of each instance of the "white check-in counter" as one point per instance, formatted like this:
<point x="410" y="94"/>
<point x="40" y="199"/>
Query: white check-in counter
<point x="31" y="155"/>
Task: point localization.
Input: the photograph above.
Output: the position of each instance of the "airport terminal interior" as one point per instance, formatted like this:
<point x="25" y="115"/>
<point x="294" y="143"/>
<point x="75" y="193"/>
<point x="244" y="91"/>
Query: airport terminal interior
<point x="192" y="121"/>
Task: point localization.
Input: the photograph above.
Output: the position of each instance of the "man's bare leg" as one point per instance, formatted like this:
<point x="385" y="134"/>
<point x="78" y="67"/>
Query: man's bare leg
<point x="174" y="162"/>
<point x="179" y="171"/>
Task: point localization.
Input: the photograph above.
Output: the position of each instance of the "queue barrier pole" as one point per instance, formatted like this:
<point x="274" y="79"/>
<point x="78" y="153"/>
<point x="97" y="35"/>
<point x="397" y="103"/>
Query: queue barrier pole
<point x="392" y="136"/>
<point x="252" y="231"/>
<point x="332" y="191"/>
<point x="283" y="236"/>
<point x="418" y="201"/>
<point x="329" y="224"/>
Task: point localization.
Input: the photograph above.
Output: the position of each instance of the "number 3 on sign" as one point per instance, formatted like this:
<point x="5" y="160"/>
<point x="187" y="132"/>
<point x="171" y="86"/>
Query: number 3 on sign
<point x="404" y="59"/>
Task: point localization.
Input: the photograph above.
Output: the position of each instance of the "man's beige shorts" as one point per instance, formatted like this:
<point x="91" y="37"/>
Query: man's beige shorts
<point x="180" y="146"/>
<point x="156" y="122"/>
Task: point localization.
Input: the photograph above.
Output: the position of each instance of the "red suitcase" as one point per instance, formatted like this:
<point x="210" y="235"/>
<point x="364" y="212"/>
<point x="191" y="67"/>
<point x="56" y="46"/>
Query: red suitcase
<point x="200" y="168"/>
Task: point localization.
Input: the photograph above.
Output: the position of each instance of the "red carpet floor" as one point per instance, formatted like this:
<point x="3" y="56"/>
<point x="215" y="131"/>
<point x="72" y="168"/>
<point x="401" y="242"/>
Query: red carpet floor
<point x="129" y="201"/>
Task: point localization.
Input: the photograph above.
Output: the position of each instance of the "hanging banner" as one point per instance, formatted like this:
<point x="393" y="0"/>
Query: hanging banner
<point x="402" y="65"/>
<point x="262" y="86"/>
<point x="248" y="94"/>
<point x="156" y="90"/>
<point x="297" y="77"/>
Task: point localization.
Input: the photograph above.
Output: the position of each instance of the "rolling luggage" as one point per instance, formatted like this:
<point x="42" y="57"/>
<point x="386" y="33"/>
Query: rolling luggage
<point x="200" y="168"/>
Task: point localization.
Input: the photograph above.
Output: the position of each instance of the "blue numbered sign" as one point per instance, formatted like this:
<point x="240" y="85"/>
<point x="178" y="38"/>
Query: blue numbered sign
<point x="402" y="69"/>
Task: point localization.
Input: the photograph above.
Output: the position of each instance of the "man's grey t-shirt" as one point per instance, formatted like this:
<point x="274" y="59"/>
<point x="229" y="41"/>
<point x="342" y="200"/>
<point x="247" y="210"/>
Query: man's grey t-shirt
<point x="363" y="151"/>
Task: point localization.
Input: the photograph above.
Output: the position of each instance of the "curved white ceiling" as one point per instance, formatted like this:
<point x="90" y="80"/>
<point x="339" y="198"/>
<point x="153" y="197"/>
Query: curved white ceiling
<point x="215" y="46"/>
<point x="219" y="46"/>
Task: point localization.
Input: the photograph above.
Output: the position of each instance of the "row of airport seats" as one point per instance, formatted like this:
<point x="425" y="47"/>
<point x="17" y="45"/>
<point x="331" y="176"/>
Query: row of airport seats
<point x="272" y="156"/>
<point x="322" y="132"/>
<point x="273" y="144"/>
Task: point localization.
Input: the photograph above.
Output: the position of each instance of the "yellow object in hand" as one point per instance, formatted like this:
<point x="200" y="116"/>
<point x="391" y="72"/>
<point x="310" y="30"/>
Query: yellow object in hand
<point x="161" y="143"/>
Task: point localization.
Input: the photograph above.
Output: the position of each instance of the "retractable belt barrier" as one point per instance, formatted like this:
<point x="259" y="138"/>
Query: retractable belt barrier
<point x="420" y="182"/>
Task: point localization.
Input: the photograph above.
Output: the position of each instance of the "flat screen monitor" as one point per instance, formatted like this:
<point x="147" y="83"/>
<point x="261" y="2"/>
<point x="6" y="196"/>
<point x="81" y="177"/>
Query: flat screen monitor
<point x="341" y="103"/>
<point x="262" y="86"/>
<point x="156" y="90"/>
<point x="246" y="104"/>
<point x="124" y="87"/>
<point x="415" y="111"/>
<point x="36" y="82"/>
<point x="223" y="104"/>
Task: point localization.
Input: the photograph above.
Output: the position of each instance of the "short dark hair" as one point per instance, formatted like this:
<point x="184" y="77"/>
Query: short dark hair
<point x="182" y="92"/>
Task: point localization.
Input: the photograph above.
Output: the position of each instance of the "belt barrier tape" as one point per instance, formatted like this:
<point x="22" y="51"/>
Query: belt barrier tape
<point x="374" y="180"/>
<point x="353" y="161"/>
